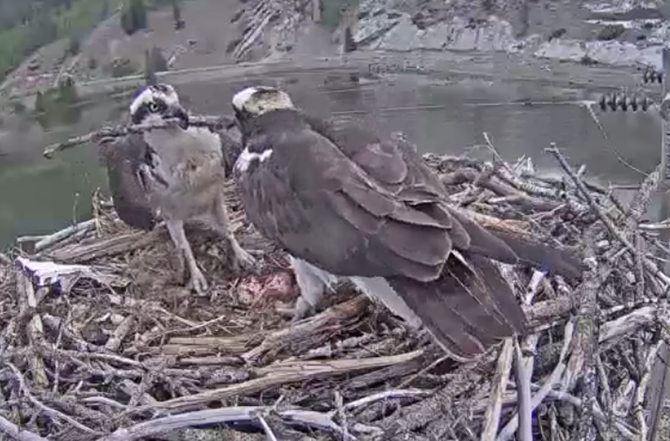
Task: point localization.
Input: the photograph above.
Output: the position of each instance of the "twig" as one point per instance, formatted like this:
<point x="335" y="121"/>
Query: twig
<point x="222" y="415"/>
<point x="48" y="410"/>
<point x="508" y="431"/>
<point x="606" y="221"/>
<point x="500" y="379"/>
<point x="642" y="389"/>
<point x="398" y="393"/>
<point x="266" y="427"/>
<point x="523" y="377"/>
<point x="12" y="430"/>
<point x="282" y="373"/>
<point x="214" y="123"/>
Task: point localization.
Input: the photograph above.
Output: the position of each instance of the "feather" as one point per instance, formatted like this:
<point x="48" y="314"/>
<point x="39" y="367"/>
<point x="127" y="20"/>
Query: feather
<point x="468" y="309"/>
<point x="123" y="157"/>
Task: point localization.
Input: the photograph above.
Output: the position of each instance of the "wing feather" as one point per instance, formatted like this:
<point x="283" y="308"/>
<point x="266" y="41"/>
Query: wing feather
<point x="123" y="157"/>
<point x="459" y="308"/>
<point x="355" y="205"/>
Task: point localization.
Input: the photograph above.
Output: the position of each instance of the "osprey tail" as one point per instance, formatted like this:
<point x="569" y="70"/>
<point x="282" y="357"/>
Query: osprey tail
<point x="468" y="309"/>
<point x="493" y="238"/>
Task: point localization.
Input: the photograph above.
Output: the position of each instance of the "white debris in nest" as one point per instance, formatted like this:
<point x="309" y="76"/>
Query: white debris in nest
<point x="65" y="275"/>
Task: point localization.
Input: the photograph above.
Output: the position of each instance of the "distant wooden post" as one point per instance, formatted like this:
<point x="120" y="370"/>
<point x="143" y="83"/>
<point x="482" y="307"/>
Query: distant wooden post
<point x="316" y="11"/>
<point x="659" y="389"/>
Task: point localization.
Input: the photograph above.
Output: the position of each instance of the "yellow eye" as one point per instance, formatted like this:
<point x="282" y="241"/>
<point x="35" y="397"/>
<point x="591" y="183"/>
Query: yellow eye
<point x="153" y="107"/>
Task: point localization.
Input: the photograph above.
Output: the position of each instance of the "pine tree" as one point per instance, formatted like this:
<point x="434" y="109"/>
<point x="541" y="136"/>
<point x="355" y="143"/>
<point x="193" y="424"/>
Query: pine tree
<point x="74" y="46"/>
<point x="149" y="69"/>
<point x="176" y="14"/>
<point x="139" y="12"/>
<point x="40" y="105"/>
<point x="134" y="16"/>
<point x="158" y="61"/>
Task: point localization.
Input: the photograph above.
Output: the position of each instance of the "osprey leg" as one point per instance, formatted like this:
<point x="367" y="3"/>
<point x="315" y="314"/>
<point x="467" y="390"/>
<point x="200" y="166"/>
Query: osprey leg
<point x="312" y="283"/>
<point x="197" y="280"/>
<point x="241" y="258"/>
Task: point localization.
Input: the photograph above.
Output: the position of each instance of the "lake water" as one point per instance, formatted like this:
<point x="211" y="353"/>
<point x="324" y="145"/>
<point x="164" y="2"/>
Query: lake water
<point x="40" y="195"/>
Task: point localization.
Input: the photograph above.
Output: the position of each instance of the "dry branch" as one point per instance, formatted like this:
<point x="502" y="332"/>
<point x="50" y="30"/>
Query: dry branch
<point x="212" y="122"/>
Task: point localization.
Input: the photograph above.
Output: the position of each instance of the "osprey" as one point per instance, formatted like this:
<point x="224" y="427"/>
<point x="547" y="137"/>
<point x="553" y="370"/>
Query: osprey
<point x="345" y="202"/>
<point x="178" y="170"/>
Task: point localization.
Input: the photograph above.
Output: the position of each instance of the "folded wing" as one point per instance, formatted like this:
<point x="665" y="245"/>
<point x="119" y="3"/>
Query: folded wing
<point x="123" y="157"/>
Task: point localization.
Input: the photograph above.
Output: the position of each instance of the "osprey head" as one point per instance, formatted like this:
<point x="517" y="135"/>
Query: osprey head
<point x="156" y="103"/>
<point x="255" y="101"/>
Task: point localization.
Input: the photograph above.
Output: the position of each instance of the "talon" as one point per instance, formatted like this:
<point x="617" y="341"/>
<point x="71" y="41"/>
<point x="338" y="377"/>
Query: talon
<point x="198" y="283"/>
<point x="243" y="261"/>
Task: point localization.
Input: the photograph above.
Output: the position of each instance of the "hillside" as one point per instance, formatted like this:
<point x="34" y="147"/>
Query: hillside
<point x="55" y="26"/>
<point x="108" y="52"/>
<point x="228" y="31"/>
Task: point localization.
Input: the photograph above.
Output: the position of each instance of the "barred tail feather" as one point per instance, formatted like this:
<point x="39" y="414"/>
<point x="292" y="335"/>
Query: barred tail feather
<point x="468" y="309"/>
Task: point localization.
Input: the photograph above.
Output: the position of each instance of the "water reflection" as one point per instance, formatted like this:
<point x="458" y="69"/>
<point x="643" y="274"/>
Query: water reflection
<point x="39" y="195"/>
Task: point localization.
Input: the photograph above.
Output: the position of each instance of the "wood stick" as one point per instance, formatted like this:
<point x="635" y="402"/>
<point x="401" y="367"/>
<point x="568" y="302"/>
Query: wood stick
<point x="211" y="122"/>
<point x="493" y="411"/>
<point x="12" y="430"/>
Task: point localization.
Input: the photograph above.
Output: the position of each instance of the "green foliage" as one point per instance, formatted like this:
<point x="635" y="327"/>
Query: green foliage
<point x="122" y="67"/>
<point x="154" y="61"/>
<point x="40" y="103"/>
<point x="331" y="11"/>
<point x="59" y="105"/>
<point x="17" y="107"/>
<point x="75" y="46"/>
<point x="158" y="60"/>
<point x="176" y="15"/>
<point x="149" y="71"/>
<point x="66" y="92"/>
<point x="610" y="32"/>
<point x="134" y="16"/>
<point x="27" y="25"/>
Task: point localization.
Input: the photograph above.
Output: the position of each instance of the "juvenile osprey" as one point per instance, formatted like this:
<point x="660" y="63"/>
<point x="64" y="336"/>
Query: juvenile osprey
<point x="179" y="171"/>
<point x="346" y="203"/>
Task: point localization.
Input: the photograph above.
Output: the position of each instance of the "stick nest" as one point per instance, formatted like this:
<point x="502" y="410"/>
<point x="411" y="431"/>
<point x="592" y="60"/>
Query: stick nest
<point x="116" y="349"/>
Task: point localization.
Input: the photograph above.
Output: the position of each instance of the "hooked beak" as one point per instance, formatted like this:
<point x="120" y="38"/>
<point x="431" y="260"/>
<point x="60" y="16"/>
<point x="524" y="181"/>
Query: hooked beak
<point x="177" y="111"/>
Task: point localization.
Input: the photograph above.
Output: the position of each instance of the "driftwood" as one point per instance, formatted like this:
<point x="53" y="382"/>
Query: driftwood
<point x="105" y="344"/>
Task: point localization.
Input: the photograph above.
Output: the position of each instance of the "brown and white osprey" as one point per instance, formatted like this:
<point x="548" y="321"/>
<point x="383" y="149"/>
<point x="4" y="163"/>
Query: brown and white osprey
<point x="347" y="203"/>
<point x="178" y="171"/>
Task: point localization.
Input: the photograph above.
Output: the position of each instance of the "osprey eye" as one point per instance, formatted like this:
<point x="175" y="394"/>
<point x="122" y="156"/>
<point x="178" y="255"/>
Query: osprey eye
<point x="153" y="107"/>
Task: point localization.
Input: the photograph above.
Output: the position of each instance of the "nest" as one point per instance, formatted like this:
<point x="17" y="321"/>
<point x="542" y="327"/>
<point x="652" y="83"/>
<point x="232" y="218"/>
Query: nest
<point x="100" y="341"/>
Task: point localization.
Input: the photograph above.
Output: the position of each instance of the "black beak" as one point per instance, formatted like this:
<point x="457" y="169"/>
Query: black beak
<point x="177" y="111"/>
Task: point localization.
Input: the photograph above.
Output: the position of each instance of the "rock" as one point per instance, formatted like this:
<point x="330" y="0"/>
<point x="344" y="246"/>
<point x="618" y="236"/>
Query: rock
<point x="400" y="33"/>
<point x="383" y="27"/>
<point x="605" y="52"/>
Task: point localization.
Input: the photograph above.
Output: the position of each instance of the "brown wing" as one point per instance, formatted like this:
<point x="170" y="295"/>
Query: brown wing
<point x="372" y="209"/>
<point x="372" y="197"/>
<point x="397" y="166"/>
<point x="421" y="187"/>
<point x="122" y="157"/>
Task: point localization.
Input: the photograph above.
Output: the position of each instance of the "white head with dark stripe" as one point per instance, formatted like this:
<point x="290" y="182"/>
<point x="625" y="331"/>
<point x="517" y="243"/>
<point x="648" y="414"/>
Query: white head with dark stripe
<point x="254" y="102"/>
<point x="249" y="104"/>
<point x="156" y="103"/>
<point x="258" y="100"/>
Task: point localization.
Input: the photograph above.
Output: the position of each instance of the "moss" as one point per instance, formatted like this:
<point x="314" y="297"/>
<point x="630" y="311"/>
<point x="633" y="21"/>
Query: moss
<point x="610" y="32"/>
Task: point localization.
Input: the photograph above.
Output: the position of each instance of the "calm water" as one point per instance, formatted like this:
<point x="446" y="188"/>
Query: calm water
<point x="39" y="195"/>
